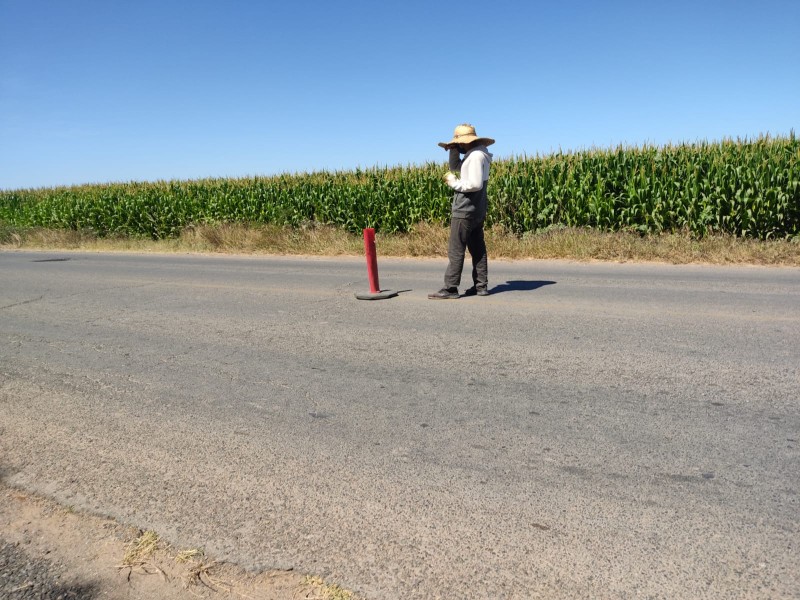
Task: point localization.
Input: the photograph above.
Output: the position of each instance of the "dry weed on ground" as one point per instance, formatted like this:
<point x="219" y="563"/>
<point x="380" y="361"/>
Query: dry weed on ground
<point x="428" y="241"/>
<point x="82" y="555"/>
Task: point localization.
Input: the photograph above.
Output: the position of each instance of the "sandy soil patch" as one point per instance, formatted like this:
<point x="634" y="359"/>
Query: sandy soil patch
<point x="51" y="551"/>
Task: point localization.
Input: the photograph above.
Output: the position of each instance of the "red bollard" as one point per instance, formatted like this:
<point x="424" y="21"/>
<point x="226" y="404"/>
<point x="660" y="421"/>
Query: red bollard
<point x="375" y="292"/>
<point x="372" y="260"/>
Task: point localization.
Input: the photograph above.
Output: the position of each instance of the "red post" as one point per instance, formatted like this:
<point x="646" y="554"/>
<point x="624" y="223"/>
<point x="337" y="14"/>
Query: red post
<point x="372" y="260"/>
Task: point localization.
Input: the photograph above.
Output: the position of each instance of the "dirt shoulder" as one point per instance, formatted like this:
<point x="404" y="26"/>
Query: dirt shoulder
<point x="48" y="551"/>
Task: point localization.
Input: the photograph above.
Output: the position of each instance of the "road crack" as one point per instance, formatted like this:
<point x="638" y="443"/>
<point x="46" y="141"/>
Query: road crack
<point x="31" y="301"/>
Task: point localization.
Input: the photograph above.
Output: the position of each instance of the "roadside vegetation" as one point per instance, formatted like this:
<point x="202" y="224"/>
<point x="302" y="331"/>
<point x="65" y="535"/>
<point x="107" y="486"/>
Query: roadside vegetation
<point x="425" y="241"/>
<point x="724" y="202"/>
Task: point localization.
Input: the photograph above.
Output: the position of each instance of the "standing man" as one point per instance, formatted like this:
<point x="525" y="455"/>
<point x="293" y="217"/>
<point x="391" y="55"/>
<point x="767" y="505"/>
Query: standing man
<point x="468" y="177"/>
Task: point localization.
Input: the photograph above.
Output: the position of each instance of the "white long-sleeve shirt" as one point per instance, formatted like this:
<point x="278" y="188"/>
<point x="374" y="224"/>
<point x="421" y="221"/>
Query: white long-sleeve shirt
<point x="469" y="199"/>
<point x="474" y="169"/>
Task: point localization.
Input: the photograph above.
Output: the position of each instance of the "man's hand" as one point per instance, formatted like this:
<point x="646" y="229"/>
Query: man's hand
<point x="450" y="178"/>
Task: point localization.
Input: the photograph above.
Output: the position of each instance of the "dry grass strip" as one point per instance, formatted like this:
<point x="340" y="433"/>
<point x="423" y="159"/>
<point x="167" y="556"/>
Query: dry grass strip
<point x="426" y="240"/>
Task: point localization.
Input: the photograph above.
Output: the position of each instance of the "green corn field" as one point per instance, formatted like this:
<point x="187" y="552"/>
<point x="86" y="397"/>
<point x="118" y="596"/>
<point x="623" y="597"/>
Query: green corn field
<point x="747" y="188"/>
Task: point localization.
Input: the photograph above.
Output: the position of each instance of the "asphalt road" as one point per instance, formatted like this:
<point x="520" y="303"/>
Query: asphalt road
<point x="588" y="430"/>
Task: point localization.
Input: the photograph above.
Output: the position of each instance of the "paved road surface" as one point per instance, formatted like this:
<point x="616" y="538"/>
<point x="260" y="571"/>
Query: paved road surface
<point x="588" y="430"/>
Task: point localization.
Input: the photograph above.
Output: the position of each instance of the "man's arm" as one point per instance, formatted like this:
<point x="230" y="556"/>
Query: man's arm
<point x="471" y="178"/>
<point x="455" y="160"/>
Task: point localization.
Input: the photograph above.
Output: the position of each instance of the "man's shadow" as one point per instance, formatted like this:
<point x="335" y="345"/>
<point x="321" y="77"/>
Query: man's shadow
<point x="519" y="286"/>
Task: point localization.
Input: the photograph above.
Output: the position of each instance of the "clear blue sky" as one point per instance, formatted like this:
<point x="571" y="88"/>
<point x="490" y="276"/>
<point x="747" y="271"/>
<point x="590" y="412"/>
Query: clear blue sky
<point x="106" y="90"/>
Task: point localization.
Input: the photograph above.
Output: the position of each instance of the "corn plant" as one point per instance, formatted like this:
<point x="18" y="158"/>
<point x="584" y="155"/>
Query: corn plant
<point x="745" y="188"/>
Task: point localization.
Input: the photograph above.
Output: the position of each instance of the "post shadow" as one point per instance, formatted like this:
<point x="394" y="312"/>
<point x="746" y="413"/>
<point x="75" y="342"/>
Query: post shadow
<point x="519" y="285"/>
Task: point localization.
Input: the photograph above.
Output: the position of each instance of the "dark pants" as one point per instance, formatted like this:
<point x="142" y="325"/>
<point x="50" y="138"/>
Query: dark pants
<point x="466" y="234"/>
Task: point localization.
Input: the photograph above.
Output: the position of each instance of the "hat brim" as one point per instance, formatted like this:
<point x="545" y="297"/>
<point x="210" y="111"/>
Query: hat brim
<point x="467" y="139"/>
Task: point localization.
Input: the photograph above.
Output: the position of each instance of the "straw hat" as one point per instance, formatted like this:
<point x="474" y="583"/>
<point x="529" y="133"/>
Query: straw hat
<point x="465" y="134"/>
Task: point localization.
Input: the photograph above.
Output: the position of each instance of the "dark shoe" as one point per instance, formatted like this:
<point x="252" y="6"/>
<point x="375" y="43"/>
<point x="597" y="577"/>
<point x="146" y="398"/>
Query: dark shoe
<point x="473" y="291"/>
<point x="444" y="294"/>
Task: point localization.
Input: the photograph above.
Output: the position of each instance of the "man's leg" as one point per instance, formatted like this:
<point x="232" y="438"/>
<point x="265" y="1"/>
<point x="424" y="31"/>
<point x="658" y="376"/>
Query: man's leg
<point x="459" y="231"/>
<point x="480" y="264"/>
